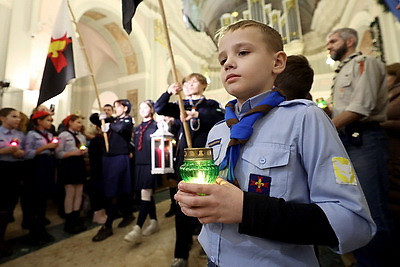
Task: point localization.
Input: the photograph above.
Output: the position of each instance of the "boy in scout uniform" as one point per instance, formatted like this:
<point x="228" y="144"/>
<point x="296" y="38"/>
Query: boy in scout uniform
<point x="286" y="182"/>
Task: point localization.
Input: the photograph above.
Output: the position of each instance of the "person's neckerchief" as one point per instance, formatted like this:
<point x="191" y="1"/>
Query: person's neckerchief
<point x="44" y="134"/>
<point x="77" y="142"/>
<point x="241" y="131"/>
<point x="142" y="129"/>
<point x="195" y="122"/>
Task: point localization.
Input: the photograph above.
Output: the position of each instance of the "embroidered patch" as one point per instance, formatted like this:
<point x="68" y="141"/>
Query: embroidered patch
<point x="344" y="171"/>
<point x="214" y="142"/>
<point x="259" y="184"/>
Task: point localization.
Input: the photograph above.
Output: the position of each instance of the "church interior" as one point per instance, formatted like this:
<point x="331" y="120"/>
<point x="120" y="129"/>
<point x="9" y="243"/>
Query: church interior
<point x="139" y="66"/>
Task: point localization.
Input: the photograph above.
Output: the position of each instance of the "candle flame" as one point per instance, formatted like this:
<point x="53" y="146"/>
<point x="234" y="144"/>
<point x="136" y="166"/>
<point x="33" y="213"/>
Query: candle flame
<point x="200" y="179"/>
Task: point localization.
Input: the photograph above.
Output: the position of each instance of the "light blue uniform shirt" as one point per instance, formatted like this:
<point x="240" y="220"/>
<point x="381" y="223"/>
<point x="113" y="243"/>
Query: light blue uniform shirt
<point x="6" y="136"/>
<point x="298" y="147"/>
<point x="34" y="140"/>
<point x="66" y="143"/>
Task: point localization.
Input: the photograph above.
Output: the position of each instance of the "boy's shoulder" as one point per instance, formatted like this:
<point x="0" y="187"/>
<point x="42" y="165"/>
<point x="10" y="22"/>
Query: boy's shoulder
<point x="295" y="102"/>
<point x="220" y="128"/>
<point x="220" y="122"/>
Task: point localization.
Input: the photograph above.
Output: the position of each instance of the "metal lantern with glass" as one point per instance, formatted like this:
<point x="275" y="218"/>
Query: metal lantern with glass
<point x="161" y="150"/>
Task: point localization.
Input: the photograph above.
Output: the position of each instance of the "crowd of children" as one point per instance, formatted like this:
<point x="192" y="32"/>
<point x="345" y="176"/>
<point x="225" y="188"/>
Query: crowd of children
<point x="36" y="161"/>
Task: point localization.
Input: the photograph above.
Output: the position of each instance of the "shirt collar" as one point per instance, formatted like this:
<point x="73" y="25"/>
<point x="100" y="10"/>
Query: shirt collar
<point x="5" y="130"/>
<point x="250" y="103"/>
<point x="353" y="55"/>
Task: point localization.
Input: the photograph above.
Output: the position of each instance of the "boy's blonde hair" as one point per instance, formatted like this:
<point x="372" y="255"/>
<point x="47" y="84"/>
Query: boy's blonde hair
<point x="272" y="38"/>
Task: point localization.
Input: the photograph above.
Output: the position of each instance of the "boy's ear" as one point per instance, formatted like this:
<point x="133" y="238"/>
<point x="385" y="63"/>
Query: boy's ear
<point x="279" y="62"/>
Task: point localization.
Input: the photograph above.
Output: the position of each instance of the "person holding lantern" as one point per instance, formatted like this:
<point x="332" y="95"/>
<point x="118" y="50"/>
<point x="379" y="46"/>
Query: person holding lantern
<point x="202" y="114"/>
<point x="286" y="182"/>
<point x="11" y="166"/>
<point x="72" y="170"/>
<point x="144" y="180"/>
<point x="41" y="184"/>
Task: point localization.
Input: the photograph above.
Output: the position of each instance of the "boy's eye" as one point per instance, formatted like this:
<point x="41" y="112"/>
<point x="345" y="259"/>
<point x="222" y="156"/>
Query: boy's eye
<point x="222" y="61"/>
<point x="242" y="53"/>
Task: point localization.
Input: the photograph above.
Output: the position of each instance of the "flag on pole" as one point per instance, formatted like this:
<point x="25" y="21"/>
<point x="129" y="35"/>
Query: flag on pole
<point x="128" y="11"/>
<point x="59" y="69"/>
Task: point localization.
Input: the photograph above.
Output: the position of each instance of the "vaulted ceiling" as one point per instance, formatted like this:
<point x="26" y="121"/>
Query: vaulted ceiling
<point x="210" y="11"/>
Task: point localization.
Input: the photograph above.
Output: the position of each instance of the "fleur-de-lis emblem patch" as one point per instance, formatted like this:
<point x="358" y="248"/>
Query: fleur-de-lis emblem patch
<point x="259" y="184"/>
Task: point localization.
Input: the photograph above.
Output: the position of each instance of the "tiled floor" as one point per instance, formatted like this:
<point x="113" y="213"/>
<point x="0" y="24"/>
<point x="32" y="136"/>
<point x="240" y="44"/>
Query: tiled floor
<point x="79" y="250"/>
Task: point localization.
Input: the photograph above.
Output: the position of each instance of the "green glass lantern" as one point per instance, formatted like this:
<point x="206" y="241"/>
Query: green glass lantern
<point x="198" y="166"/>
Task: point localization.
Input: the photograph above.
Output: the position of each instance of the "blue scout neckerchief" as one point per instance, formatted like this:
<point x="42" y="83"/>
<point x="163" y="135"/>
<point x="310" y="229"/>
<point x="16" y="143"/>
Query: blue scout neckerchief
<point x="241" y="131"/>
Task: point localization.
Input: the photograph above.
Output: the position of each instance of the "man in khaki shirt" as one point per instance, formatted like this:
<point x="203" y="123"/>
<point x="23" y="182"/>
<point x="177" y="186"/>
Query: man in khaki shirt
<point x="359" y="98"/>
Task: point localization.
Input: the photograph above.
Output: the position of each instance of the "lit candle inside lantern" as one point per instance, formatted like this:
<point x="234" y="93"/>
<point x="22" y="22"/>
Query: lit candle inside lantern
<point x="14" y="142"/>
<point x="199" y="166"/>
<point x="161" y="150"/>
<point x="200" y="179"/>
<point x="54" y="140"/>
<point x="82" y="147"/>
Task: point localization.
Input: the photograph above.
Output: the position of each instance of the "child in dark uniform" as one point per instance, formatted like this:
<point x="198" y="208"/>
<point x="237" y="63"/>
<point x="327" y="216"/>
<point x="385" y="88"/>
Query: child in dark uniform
<point x="201" y="115"/>
<point x="116" y="167"/>
<point x="72" y="170"/>
<point x="95" y="186"/>
<point x="11" y="166"/>
<point x="145" y="181"/>
<point x="40" y="185"/>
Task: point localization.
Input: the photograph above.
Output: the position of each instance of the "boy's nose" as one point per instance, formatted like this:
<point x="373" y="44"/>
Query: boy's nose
<point x="228" y="64"/>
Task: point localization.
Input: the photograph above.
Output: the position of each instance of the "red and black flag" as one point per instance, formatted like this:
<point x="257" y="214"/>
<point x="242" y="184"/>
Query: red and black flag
<point x="59" y="68"/>
<point x="128" y="11"/>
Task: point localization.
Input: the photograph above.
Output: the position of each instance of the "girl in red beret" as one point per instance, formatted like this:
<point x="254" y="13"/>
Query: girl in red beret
<point x="72" y="170"/>
<point x="40" y="184"/>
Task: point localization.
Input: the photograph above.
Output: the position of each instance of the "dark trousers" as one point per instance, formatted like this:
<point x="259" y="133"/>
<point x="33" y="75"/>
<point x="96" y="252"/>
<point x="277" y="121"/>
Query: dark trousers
<point x="11" y="176"/>
<point x="121" y="204"/>
<point x="37" y="187"/>
<point x="184" y="227"/>
<point x="95" y="190"/>
<point x="368" y="152"/>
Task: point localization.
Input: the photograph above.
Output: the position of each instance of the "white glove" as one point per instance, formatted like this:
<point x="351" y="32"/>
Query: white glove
<point x="102" y="116"/>
<point x="105" y="127"/>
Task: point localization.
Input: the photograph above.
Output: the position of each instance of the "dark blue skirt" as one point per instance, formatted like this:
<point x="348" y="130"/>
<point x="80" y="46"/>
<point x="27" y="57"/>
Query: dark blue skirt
<point x="143" y="177"/>
<point x="72" y="170"/>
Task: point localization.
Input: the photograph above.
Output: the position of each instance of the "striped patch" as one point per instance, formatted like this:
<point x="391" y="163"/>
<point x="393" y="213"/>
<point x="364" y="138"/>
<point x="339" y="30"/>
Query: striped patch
<point x="214" y="142"/>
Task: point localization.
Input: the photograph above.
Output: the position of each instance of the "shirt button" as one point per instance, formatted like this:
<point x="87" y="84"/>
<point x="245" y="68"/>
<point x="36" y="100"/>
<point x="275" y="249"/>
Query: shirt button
<point x="262" y="160"/>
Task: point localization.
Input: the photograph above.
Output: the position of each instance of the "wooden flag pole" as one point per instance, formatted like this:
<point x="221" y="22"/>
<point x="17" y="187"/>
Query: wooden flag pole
<point x="174" y="73"/>
<point x="91" y="72"/>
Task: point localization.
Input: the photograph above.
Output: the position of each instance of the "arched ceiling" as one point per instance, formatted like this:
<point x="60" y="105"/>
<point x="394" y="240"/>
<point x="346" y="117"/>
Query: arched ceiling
<point x="208" y="12"/>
